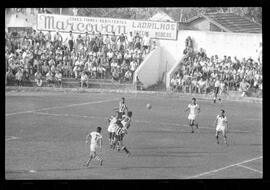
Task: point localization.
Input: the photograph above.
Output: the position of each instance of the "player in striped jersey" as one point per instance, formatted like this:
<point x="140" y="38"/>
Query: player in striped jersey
<point x="112" y="126"/>
<point x="122" y="107"/>
<point x="126" y="119"/>
<point x="120" y="131"/>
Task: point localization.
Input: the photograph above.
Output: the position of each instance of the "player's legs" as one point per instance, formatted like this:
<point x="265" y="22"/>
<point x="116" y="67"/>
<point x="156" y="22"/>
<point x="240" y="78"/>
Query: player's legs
<point x="224" y="136"/>
<point x="114" y="141"/>
<point x="92" y="155"/>
<point x="191" y="123"/>
<point x="110" y="138"/>
<point x="99" y="158"/>
<point x="217" y="133"/>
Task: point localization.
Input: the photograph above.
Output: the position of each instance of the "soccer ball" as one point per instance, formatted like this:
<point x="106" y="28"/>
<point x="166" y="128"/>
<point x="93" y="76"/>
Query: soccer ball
<point x="148" y="106"/>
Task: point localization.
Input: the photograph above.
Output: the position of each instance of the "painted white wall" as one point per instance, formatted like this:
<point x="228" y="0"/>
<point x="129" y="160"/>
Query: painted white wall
<point x="156" y="65"/>
<point x="148" y="71"/>
<point x="223" y="43"/>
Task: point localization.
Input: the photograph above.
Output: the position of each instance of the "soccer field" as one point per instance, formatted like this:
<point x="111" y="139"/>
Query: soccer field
<point x="45" y="138"/>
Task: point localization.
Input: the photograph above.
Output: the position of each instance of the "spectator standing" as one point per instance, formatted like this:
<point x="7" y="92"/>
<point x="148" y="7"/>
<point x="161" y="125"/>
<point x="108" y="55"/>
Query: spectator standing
<point x="244" y="87"/>
<point x="38" y="78"/>
<point x="137" y="40"/>
<point x="58" y="39"/>
<point x="58" y="78"/>
<point x="146" y="43"/>
<point x="19" y="77"/>
<point x="49" y="78"/>
<point x="130" y="40"/>
<point x="70" y="40"/>
<point x="84" y="79"/>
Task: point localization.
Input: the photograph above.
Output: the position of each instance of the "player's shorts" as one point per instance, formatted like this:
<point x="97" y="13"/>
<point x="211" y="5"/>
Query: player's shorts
<point x="119" y="137"/>
<point x="93" y="147"/>
<point x="93" y="154"/>
<point x="191" y="116"/>
<point x="111" y="128"/>
<point x="220" y="128"/>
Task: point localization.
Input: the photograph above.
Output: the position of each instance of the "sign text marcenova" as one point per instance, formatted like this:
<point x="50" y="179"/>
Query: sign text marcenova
<point x="78" y="24"/>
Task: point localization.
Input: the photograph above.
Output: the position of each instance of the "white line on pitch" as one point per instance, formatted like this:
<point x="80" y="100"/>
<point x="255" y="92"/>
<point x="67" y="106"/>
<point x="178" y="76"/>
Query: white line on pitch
<point x="250" y="168"/>
<point x="220" y="169"/>
<point x="11" y="138"/>
<point x="139" y="121"/>
<point x="68" y="115"/>
<point x="64" y="106"/>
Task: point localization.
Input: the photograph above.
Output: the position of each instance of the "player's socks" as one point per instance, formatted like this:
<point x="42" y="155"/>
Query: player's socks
<point x="217" y="139"/>
<point x="88" y="162"/>
<point x="225" y="140"/>
<point x="197" y="125"/>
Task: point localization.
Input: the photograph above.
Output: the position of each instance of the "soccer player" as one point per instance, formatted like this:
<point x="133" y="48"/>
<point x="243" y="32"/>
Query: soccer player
<point x="126" y="119"/>
<point x="120" y="131"/>
<point x="122" y="107"/>
<point x="95" y="139"/>
<point x="194" y="110"/>
<point x="221" y="124"/>
<point x="112" y="126"/>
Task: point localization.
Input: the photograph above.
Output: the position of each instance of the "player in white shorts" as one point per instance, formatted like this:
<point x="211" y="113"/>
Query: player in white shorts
<point x="194" y="110"/>
<point x="126" y="119"/>
<point x="96" y="141"/>
<point x="112" y="126"/>
<point x="221" y="124"/>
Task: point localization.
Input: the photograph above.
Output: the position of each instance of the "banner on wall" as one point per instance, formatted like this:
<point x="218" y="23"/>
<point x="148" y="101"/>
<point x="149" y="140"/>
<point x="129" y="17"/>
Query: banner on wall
<point x="78" y="24"/>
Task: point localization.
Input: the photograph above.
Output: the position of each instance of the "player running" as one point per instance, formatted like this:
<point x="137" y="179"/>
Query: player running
<point x="122" y="107"/>
<point x="112" y="126"/>
<point x="95" y="139"/>
<point x="221" y="124"/>
<point x="120" y="132"/>
<point x="194" y="111"/>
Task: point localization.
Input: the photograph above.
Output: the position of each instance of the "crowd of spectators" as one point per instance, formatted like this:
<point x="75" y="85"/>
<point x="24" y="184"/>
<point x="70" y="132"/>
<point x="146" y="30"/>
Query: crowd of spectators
<point x="42" y="55"/>
<point x="199" y="73"/>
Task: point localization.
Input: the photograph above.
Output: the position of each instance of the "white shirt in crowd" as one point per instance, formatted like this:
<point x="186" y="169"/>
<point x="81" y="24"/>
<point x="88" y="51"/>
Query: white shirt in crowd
<point x="217" y="83"/>
<point x="146" y="41"/>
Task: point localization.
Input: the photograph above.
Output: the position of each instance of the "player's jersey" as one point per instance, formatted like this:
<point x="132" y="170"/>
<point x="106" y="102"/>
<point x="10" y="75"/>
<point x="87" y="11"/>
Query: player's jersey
<point x="194" y="109"/>
<point x="95" y="138"/>
<point x="126" y="121"/>
<point x="113" y="120"/>
<point x="122" y="107"/>
<point x="222" y="121"/>
<point x="120" y="130"/>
